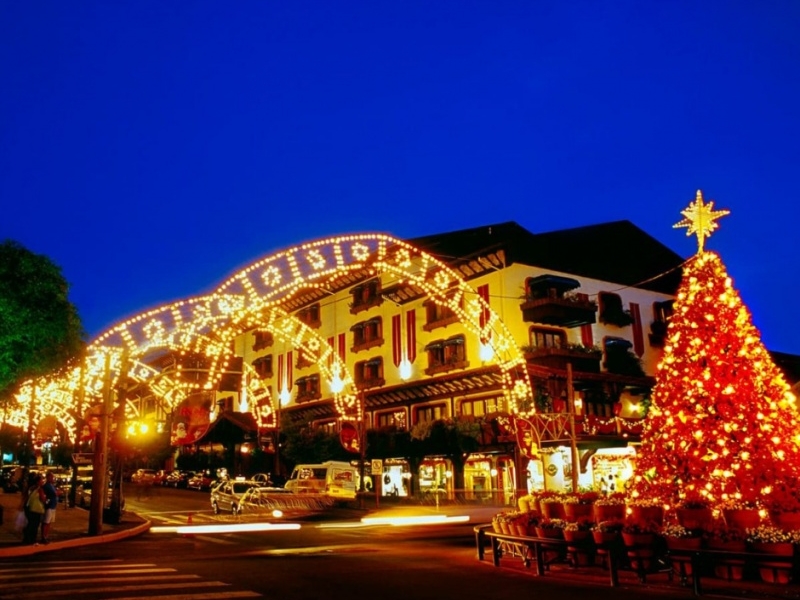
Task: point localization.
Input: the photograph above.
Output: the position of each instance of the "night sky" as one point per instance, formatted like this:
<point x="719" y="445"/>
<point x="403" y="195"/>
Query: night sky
<point x="151" y="149"/>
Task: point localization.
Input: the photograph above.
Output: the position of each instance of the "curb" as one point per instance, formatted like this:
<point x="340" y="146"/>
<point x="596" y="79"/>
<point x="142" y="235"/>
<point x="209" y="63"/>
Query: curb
<point x="75" y="542"/>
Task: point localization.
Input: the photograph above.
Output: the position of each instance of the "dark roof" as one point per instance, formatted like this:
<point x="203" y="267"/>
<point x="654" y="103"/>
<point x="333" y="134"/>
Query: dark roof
<point x="789" y="364"/>
<point x="617" y="252"/>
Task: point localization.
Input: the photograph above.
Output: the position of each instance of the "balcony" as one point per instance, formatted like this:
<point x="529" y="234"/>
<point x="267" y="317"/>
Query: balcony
<point x="583" y="360"/>
<point x="570" y="311"/>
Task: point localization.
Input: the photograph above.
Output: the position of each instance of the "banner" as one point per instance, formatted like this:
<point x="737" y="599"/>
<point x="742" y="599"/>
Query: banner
<point x="527" y="439"/>
<point x="191" y="420"/>
<point x="348" y="436"/>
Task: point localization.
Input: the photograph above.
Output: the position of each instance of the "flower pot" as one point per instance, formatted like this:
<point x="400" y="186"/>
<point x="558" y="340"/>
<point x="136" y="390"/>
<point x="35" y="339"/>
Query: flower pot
<point x="789" y="521"/>
<point x="641" y="549"/>
<point x="574" y="512"/>
<point x="730" y="569"/>
<point x="741" y="518"/>
<point x="607" y="512"/>
<point x="524" y="504"/>
<point x="694" y="518"/>
<point x="647" y="514"/>
<point x="682" y="565"/>
<point x="583" y="551"/>
<point x="550" y="532"/>
<point x="771" y="571"/>
<point x="553" y="510"/>
<point x="605" y="537"/>
<point x="505" y="527"/>
<point x="496" y="527"/>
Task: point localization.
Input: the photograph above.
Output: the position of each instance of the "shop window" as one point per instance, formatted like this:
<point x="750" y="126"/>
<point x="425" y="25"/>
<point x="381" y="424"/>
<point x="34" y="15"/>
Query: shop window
<point x="263" y="339"/>
<point x="438" y="315"/>
<point x="430" y="413"/>
<point x="611" y="310"/>
<point x="263" y="366"/>
<point x="367" y="334"/>
<point x="544" y="337"/>
<point x="310" y="316"/>
<point x="366" y="295"/>
<point x="480" y="408"/>
<point x="446" y="355"/>
<point x="308" y="388"/>
<point x="392" y="419"/>
<point x="369" y="373"/>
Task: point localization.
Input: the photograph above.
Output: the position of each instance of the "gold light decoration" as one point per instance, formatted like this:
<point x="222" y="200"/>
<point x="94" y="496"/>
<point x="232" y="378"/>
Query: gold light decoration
<point x="700" y="219"/>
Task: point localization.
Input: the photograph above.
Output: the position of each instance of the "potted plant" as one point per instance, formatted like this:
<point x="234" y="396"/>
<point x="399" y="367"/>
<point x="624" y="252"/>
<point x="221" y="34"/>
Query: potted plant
<point x="783" y="504"/>
<point x="768" y="539"/>
<point x="645" y="509"/>
<point x="580" y="532"/>
<point x="727" y="539"/>
<point x="551" y="504"/>
<point x="552" y="529"/>
<point x="579" y="505"/>
<point x="610" y="506"/>
<point x="678" y="537"/>
<point x="741" y="513"/>
<point x="694" y="511"/>
<point x="640" y="538"/>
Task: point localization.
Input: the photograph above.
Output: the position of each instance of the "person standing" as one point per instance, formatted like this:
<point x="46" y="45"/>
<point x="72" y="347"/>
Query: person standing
<point x="34" y="509"/>
<point x="50" y="505"/>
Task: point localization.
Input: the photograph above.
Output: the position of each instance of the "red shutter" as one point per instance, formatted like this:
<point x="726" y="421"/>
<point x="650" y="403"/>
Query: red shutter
<point x="638" y="337"/>
<point x="411" y="335"/>
<point x="587" y="339"/>
<point x="397" y="340"/>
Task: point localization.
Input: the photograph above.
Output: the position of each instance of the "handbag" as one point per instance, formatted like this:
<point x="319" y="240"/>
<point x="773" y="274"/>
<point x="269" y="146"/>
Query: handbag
<point x="35" y="503"/>
<point x="21" y="521"/>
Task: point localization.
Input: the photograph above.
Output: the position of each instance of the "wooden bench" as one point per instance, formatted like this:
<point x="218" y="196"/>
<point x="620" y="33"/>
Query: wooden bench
<point x="536" y="549"/>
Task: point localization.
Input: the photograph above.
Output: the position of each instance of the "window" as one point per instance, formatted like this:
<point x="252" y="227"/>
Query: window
<point x="479" y="408"/>
<point x="303" y="360"/>
<point x="620" y="359"/>
<point x="543" y="337"/>
<point x="263" y="339"/>
<point x="367" y="334"/>
<point x="366" y="295"/>
<point x="430" y="413"/>
<point x="369" y="373"/>
<point x="392" y="419"/>
<point x="438" y="315"/>
<point x="662" y="312"/>
<point x="308" y="388"/>
<point x="446" y="355"/>
<point x="263" y="366"/>
<point x="611" y="310"/>
<point x="310" y="316"/>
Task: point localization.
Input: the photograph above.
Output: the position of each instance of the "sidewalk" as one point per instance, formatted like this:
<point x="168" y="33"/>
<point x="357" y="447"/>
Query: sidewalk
<point x="70" y="529"/>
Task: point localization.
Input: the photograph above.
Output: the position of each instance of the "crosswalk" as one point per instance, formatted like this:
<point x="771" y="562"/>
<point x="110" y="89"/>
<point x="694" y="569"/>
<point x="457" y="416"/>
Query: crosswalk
<point x="109" y="579"/>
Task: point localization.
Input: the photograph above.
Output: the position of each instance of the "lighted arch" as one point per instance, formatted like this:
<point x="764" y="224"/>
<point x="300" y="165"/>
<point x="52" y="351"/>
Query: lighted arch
<point x="312" y="264"/>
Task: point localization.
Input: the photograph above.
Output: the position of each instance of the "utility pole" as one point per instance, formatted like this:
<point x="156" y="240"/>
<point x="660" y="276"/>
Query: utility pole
<point x="576" y="462"/>
<point x="100" y="465"/>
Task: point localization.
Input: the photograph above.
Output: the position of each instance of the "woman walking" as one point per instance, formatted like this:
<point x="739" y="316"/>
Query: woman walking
<point x="34" y="509"/>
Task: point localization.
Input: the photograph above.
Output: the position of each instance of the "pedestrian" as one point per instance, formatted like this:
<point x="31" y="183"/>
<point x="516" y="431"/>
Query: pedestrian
<point x="34" y="508"/>
<point x="50" y="505"/>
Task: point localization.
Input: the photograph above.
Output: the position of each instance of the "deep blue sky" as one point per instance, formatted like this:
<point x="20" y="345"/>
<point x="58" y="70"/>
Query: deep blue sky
<point x="151" y="149"/>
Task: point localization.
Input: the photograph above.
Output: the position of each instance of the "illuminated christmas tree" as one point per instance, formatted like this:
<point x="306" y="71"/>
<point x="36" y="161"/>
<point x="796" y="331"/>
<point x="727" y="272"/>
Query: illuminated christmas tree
<point x="723" y="423"/>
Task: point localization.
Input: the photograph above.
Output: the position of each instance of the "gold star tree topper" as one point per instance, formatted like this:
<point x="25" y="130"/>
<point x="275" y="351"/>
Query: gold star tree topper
<point x="701" y="219"/>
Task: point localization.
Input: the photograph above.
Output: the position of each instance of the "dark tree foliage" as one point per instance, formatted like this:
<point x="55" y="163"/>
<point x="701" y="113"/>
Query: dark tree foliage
<point x="40" y="330"/>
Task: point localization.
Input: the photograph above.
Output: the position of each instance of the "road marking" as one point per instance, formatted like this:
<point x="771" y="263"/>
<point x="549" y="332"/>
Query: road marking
<point x="213" y="596"/>
<point x="129" y="588"/>
<point x="121" y="571"/>
<point x="33" y="584"/>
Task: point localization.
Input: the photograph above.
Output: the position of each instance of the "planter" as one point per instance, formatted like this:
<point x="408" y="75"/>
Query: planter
<point x="682" y="565"/>
<point x="730" y="569"/>
<point x="496" y="527"/>
<point x="575" y="512"/>
<point x="505" y="527"/>
<point x="770" y="571"/>
<point x="553" y="510"/>
<point x="551" y="552"/>
<point x="608" y="512"/>
<point x="694" y="518"/>
<point x="647" y="514"/>
<point x="788" y="521"/>
<point x="641" y="549"/>
<point x="741" y="518"/>
<point x="583" y="551"/>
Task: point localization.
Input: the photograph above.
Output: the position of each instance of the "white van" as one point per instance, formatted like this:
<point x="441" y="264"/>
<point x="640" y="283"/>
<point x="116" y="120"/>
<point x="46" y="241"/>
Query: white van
<point x="331" y="478"/>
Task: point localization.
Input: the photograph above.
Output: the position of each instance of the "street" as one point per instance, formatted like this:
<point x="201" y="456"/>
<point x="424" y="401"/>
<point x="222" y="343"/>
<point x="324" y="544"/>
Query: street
<point x="325" y="558"/>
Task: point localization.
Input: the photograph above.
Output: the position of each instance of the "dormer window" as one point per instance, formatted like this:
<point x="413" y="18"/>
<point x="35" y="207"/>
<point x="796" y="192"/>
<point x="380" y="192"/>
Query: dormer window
<point x="365" y="296"/>
<point x="367" y="334"/>
<point x="310" y="316"/>
<point x="263" y="339"/>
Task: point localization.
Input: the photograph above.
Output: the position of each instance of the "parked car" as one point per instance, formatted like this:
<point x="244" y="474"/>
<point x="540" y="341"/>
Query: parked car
<point x="177" y="479"/>
<point x="9" y="478"/>
<point x="145" y="476"/>
<point x="200" y="481"/>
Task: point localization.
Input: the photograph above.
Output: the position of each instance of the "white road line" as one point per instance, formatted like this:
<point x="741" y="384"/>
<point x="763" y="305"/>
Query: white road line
<point x="41" y="569"/>
<point x="33" y="584"/>
<point x="213" y="596"/>
<point x="51" y="575"/>
<point x="126" y="588"/>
